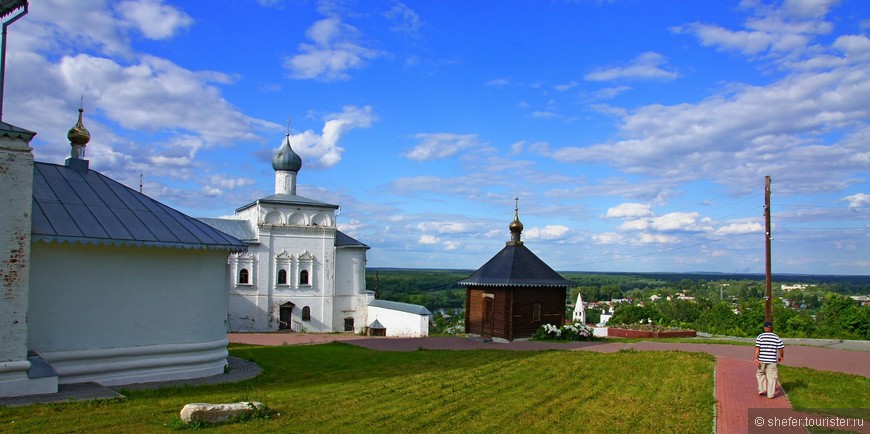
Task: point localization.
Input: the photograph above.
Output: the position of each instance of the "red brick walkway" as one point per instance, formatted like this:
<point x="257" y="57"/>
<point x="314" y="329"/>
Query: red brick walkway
<point x="736" y="389"/>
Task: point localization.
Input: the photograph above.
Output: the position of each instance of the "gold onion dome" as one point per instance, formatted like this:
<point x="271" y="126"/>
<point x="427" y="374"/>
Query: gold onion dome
<point x="286" y="159"/>
<point x="79" y="135"/>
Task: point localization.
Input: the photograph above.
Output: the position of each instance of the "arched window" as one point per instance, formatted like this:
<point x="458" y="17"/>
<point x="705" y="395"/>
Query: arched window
<point x="303" y="277"/>
<point x="243" y="275"/>
<point x="306" y="313"/>
<point x="282" y="277"/>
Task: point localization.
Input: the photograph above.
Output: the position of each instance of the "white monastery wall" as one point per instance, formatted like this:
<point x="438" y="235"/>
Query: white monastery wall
<point x="117" y="315"/>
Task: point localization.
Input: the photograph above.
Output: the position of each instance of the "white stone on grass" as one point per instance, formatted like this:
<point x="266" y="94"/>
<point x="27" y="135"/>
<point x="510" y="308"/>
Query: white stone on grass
<point x="217" y="413"/>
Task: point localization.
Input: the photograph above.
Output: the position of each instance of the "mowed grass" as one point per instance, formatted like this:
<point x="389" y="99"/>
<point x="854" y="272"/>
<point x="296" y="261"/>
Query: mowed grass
<point x="342" y="388"/>
<point x="826" y="392"/>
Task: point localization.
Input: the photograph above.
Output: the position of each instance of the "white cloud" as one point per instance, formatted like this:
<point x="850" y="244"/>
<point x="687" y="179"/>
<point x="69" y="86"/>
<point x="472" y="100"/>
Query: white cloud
<point x="565" y="86"/>
<point x="323" y="148"/>
<point x="608" y="238"/>
<point x="549" y="232"/>
<point x="740" y="228"/>
<point x="446" y="227"/>
<point x="497" y="82"/>
<point x="335" y="51"/>
<point x="671" y="222"/>
<point x="405" y="20"/>
<point x="781" y="33"/>
<point x="153" y="18"/>
<point x="230" y="182"/>
<point x="629" y="210"/>
<point x="428" y="240"/>
<point x="647" y="238"/>
<point x="644" y="67"/>
<point x="436" y="146"/>
<point x="858" y="200"/>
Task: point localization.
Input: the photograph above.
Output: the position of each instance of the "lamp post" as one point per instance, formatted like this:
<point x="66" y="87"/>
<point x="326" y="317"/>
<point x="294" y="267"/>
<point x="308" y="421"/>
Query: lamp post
<point x="7" y="7"/>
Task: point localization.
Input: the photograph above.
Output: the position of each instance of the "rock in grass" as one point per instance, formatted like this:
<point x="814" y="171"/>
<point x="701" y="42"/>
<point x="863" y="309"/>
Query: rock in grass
<point x="218" y="413"/>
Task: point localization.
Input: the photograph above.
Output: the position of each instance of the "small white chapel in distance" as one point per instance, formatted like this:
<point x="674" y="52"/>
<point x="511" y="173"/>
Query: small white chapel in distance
<point x="300" y="272"/>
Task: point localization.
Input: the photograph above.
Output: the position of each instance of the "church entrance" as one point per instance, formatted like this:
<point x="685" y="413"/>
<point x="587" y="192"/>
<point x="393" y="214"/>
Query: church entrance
<point x="285" y="316"/>
<point x="488" y="320"/>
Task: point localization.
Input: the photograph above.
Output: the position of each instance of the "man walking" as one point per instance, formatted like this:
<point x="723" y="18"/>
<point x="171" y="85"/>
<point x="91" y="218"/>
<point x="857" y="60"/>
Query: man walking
<point x="769" y="350"/>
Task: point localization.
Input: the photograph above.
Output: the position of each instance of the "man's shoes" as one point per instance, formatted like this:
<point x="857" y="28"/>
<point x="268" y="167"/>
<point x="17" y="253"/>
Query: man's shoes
<point x="762" y="393"/>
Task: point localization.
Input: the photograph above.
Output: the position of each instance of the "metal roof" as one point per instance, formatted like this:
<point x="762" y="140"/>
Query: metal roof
<point x="377" y="325"/>
<point x="403" y="307"/>
<point x="516" y="265"/>
<point x="78" y="205"/>
<point x="344" y="240"/>
<point x="288" y="199"/>
<point x="240" y="229"/>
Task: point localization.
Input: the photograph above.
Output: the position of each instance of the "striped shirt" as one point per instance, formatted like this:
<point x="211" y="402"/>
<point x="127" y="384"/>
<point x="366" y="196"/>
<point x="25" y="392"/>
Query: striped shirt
<point x="768" y="344"/>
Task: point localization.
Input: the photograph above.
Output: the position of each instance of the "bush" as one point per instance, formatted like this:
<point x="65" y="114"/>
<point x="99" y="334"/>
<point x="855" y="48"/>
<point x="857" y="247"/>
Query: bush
<point x="568" y="332"/>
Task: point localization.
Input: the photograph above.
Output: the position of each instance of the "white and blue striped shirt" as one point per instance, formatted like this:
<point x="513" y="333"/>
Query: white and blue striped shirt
<point x="768" y="344"/>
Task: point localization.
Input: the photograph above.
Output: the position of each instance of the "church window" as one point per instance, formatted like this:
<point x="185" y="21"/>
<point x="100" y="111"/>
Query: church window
<point x="303" y="277"/>
<point x="536" y="312"/>
<point x="243" y="276"/>
<point x="306" y="313"/>
<point x="348" y="324"/>
<point x="282" y="277"/>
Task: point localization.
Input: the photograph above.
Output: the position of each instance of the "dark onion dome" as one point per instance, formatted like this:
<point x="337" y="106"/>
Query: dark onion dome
<point x="286" y="159"/>
<point x="79" y="135"/>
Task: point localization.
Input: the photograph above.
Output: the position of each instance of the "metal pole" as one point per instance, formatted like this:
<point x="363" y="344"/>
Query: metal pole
<point x="767" y="273"/>
<point x="3" y="55"/>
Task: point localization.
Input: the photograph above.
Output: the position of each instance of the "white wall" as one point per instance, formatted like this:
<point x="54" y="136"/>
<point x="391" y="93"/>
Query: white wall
<point x="120" y="314"/>
<point x="400" y="323"/>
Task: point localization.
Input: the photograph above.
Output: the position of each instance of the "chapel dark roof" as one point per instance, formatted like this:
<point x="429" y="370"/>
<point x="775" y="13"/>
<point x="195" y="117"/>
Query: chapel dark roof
<point x="515" y="265"/>
<point x="75" y="204"/>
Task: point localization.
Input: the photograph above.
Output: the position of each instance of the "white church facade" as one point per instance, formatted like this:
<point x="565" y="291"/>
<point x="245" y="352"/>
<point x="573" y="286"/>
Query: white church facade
<point x="300" y="272"/>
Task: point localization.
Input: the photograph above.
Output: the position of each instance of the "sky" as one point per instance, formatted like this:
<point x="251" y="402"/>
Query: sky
<point x="632" y="135"/>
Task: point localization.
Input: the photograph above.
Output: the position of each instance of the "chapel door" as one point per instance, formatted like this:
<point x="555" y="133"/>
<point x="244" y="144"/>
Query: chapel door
<point x="488" y="318"/>
<point x="285" y="316"/>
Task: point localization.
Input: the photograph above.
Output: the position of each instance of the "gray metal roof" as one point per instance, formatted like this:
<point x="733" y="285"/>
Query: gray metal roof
<point x="516" y="265"/>
<point x="377" y="325"/>
<point x="288" y="199"/>
<point x="75" y="204"/>
<point x="344" y="240"/>
<point x="240" y="229"/>
<point x="402" y="307"/>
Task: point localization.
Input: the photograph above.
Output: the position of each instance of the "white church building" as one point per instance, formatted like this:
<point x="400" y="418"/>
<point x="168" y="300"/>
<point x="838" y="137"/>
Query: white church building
<point x="300" y="272"/>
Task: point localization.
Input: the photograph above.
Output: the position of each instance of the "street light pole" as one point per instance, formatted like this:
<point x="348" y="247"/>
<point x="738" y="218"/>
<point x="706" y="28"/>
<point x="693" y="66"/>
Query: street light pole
<point x="767" y="274"/>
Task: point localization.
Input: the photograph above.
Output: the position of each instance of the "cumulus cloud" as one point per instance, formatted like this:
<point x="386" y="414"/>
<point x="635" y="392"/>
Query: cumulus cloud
<point x="740" y="228"/>
<point x="647" y="66"/>
<point x="335" y="50"/>
<point x="436" y="146"/>
<point x="154" y="19"/>
<point x="675" y="221"/>
<point x="629" y="210"/>
<point x="549" y="232"/>
<point x="780" y="33"/>
<point x="323" y="148"/>
<point x="428" y="240"/>
<point x="647" y="238"/>
<point x="858" y="200"/>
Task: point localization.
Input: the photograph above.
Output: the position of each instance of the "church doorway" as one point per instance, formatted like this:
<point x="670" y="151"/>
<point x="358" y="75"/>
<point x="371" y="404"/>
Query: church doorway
<point x="488" y="320"/>
<point x="285" y="316"/>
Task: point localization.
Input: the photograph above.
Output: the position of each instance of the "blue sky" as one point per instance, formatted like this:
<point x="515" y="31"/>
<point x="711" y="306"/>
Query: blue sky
<point x="636" y="134"/>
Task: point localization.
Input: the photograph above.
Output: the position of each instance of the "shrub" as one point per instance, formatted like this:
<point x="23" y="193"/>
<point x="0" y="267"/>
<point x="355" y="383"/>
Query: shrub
<point x="568" y="332"/>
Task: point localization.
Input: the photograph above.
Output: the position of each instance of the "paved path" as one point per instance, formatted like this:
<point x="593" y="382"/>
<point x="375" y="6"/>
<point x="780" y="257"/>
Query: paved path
<point x="735" y="386"/>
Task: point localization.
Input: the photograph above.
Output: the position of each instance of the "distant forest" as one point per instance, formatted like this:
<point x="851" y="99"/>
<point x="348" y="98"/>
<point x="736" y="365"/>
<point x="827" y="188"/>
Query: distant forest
<point x="815" y="306"/>
<point x="438" y="289"/>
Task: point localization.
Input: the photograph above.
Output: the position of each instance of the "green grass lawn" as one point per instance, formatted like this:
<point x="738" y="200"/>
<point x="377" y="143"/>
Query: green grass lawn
<point x="341" y="388"/>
